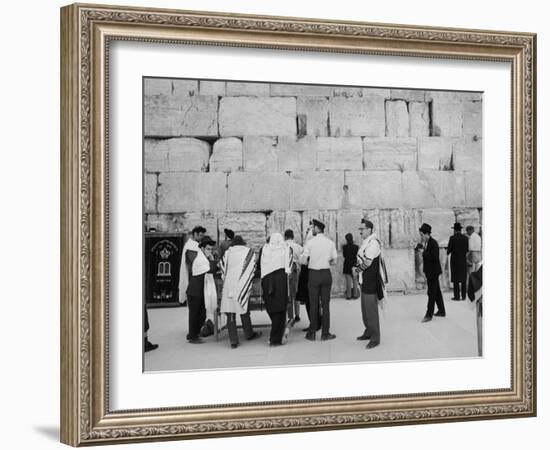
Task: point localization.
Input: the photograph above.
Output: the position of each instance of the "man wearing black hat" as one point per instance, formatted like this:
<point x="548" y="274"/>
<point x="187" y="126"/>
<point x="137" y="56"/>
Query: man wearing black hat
<point x="432" y="270"/>
<point x="321" y="252"/>
<point x="458" y="248"/>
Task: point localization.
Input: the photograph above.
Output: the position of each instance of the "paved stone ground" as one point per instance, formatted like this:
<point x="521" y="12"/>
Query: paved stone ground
<point x="404" y="337"/>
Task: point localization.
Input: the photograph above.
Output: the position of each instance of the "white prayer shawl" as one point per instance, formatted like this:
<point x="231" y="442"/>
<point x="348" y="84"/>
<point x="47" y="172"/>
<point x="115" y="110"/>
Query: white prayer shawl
<point x="237" y="266"/>
<point x="201" y="265"/>
<point x="363" y="256"/>
<point x="184" y="274"/>
<point x="276" y="255"/>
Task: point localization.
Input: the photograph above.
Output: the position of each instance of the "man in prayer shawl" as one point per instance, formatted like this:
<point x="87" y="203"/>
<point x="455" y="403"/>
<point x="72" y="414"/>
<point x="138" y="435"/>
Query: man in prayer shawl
<point x="275" y="266"/>
<point x="475" y="294"/>
<point x="373" y="279"/>
<point x="188" y="254"/>
<point x="293" y="304"/>
<point x="201" y="266"/>
<point x="238" y="266"/>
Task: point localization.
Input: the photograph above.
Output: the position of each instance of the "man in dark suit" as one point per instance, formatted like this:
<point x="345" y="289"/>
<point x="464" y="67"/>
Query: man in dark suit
<point x="432" y="270"/>
<point x="458" y="248"/>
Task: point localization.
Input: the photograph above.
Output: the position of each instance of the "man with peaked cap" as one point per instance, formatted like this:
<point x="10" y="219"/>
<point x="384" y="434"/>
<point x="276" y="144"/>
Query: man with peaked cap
<point x="458" y="248"/>
<point x="432" y="270"/>
<point x="321" y="252"/>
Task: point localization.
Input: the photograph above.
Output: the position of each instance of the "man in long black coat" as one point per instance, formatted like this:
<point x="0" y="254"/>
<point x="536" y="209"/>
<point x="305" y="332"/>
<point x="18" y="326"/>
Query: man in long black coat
<point x="458" y="248"/>
<point x="432" y="270"/>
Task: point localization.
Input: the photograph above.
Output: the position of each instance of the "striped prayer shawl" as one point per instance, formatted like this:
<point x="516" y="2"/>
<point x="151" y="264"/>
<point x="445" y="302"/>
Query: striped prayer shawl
<point x="237" y="265"/>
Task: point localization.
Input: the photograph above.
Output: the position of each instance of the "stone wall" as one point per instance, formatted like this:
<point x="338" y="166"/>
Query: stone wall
<point x="258" y="158"/>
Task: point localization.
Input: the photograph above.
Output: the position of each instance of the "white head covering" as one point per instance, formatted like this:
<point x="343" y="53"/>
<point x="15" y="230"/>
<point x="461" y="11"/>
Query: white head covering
<point x="275" y="255"/>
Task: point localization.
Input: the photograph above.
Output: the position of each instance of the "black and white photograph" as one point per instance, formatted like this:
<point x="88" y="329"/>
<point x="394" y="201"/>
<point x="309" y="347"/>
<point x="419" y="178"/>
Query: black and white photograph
<point x="291" y="224"/>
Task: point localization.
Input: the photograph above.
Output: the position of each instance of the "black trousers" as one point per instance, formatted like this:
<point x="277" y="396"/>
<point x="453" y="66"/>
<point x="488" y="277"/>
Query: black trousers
<point x="278" y="325"/>
<point x="197" y="315"/>
<point x="434" y="297"/>
<point x="369" y="311"/>
<point x="319" y="286"/>
<point x="232" y="326"/>
<point x="459" y="289"/>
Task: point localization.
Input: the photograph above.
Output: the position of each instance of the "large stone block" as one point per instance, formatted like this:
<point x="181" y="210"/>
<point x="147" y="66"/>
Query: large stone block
<point x="182" y="192"/>
<point x="419" y="113"/>
<point x="280" y="221"/>
<point x="345" y="153"/>
<point x="251" y="226"/>
<point x="184" y="222"/>
<point x="360" y="92"/>
<point x="468" y="154"/>
<point x="247" y="89"/>
<point x="389" y="153"/>
<point x="397" y="118"/>
<point x="453" y="96"/>
<point x="329" y="218"/>
<point x="260" y="154"/>
<point x="409" y="95"/>
<point x="300" y="90"/>
<point x="216" y="88"/>
<point x="373" y="92"/>
<point x="176" y="155"/>
<point x="316" y="190"/>
<point x="150" y="193"/>
<point x="348" y="222"/>
<point x="186" y="116"/>
<point x="447" y="118"/>
<point x="315" y="110"/>
<point x="403" y="227"/>
<point x="170" y="87"/>
<point x="401" y="269"/>
<point x="374" y="189"/>
<point x="357" y="117"/>
<point x="253" y="116"/>
<point x="469" y="216"/>
<point x="297" y="154"/>
<point x="227" y="155"/>
<point x="255" y="191"/>
<point x="472" y="119"/>
<point x="441" y="221"/>
<point x="435" y="153"/>
<point x="433" y="189"/>
<point x="473" y="181"/>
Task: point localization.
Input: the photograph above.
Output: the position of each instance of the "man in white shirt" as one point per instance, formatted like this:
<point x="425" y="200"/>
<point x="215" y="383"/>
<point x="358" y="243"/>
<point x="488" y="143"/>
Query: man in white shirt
<point x="473" y="258"/>
<point x="321" y="252"/>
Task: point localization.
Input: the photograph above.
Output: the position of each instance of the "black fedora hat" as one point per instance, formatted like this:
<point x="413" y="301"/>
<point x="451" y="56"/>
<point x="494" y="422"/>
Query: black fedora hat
<point x="457" y="226"/>
<point x="425" y="228"/>
<point x="318" y="224"/>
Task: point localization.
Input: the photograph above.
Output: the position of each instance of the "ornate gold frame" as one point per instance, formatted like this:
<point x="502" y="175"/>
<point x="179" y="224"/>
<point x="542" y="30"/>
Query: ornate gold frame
<point x="86" y="31"/>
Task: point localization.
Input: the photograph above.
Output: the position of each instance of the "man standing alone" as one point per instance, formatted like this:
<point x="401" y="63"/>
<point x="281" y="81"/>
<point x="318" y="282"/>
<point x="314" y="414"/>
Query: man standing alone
<point x="322" y="253"/>
<point x="432" y="270"/>
<point x="458" y="248"/>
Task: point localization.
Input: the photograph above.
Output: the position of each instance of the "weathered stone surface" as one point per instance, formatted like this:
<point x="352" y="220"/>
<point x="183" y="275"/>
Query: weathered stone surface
<point x="468" y="154"/>
<point x="184" y="222"/>
<point x="280" y="221"/>
<point x="260" y="154"/>
<point x="251" y="226"/>
<point x="389" y="153"/>
<point x="227" y="155"/>
<point x="433" y="189"/>
<point x="359" y="92"/>
<point x="316" y="190"/>
<point x="170" y="87"/>
<point x="447" y="118"/>
<point x="372" y="92"/>
<point x="445" y="268"/>
<point x="329" y="218"/>
<point x="374" y="189"/>
<point x="338" y="281"/>
<point x="339" y="153"/>
<point x="357" y="117"/>
<point x="315" y="110"/>
<point x="150" y="193"/>
<point x="212" y="88"/>
<point x="348" y="222"/>
<point x="419" y="113"/>
<point x="299" y="90"/>
<point x="176" y="155"/>
<point x="474" y="188"/>
<point x="252" y="116"/>
<point x="400" y="268"/>
<point x="247" y="89"/>
<point x="469" y="216"/>
<point x="403" y="227"/>
<point x="442" y="221"/>
<point x="435" y="153"/>
<point x="297" y="154"/>
<point x="256" y="191"/>
<point x="182" y="192"/>
<point x="186" y="116"/>
<point x="397" y="118"/>
<point x="380" y="218"/>
<point x="453" y="96"/>
<point x="472" y="119"/>
<point x="409" y="95"/>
